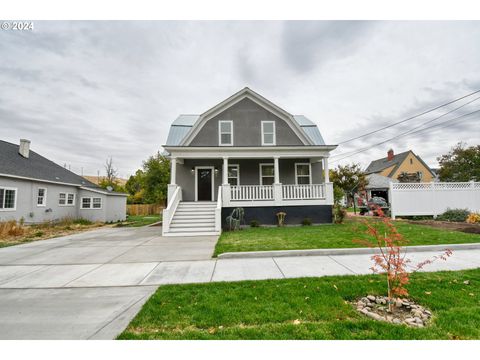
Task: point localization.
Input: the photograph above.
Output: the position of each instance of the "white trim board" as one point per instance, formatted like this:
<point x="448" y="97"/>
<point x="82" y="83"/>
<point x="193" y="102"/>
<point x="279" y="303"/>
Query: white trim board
<point x="196" y="181"/>
<point x="263" y="132"/>
<point x="220" y="133"/>
<point x="14" y="200"/>
<point x="260" y="172"/>
<point x="309" y="172"/>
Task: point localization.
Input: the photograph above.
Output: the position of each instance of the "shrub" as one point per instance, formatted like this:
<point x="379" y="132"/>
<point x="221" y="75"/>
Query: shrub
<point x="339" y="214"/>
<point x="39" y="234"/>
<point x="82" y="222"/>
<point x="11" y="228"/>
<point x="307" y="222"/>
<point x="473" y="218"/>
<point x="456" y="215"/>
<point x="254" y="223"/>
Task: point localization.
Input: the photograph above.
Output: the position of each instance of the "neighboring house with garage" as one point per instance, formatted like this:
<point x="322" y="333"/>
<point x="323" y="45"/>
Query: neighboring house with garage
<point x="403" y="167"/>
<point x="36" y="190"/>
<point x="245" y="152"/>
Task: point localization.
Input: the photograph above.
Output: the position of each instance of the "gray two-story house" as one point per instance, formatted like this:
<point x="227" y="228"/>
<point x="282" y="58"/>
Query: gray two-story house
<point x="245" y="152"/>
<point x="35" y="190"/>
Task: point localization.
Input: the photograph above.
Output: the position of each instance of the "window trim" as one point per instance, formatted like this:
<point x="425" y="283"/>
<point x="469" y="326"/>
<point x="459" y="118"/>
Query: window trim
<point x="44" y="202"/>
<point x="232" y="177"/>
<point x="14" y="200"/>
<point x="66" y="198"/>
<point x="274" y="133"/>
<point x="220" y="133"/>
<point x="309" y="173"/>
<point x="261" y="165"/>
<point x="91" y="203"/>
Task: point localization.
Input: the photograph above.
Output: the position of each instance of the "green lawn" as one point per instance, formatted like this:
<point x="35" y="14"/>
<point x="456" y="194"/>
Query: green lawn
<point x="267" y="309"/>
<point x="329" y="236"/>
<point x="139" y="220"/>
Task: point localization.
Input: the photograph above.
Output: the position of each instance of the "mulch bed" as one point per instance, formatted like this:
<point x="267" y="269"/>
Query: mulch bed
<point x="454" y="226"/>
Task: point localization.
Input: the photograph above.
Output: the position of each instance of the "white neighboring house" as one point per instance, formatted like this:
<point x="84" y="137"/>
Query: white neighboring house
<point x="245" y="152"/>
<point x="36" y="189"/>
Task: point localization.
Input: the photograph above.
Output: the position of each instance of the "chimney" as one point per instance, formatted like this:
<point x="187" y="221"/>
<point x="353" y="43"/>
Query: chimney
<point x="390" y="155"/>
<point x="24" y="148"/>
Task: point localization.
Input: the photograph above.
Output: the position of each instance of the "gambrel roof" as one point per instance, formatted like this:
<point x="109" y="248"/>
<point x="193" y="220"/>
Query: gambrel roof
<point x="185" y="127"/>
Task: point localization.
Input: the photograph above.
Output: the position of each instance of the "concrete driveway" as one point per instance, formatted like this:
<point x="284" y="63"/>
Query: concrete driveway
<point x="83" y="286"/>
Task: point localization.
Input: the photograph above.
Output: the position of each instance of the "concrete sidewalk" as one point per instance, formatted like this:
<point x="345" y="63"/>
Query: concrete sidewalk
<point x="200" y="271"/>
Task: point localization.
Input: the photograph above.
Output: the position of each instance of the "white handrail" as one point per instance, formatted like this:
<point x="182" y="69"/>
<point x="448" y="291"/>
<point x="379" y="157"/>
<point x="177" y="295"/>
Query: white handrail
<point x="170" y="210"/>
<point x="218" y="211"/>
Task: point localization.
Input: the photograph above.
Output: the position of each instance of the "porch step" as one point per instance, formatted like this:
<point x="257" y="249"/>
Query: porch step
<point x="192" y="226"/>
<point x="193" y="219"/>
<point x="190" y="220"/>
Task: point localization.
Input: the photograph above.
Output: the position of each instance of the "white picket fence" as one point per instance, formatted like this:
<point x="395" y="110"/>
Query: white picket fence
<point x="410" y="199"/>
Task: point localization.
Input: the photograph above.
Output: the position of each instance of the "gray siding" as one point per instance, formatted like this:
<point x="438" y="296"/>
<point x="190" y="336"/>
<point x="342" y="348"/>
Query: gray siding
<point x="246" y="116"/>
<point x="113" y="207"/>
<point x="27" y="208"/>
<point x="116" y="208"/>
<point x="95" y="215"/>
<point x="249" y="173"/>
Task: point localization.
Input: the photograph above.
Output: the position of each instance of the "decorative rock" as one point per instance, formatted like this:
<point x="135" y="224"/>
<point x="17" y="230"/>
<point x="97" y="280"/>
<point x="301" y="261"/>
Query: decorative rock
<point x="418" y="320"/>
<point x="398" y="303"/>
<point x="364" y="311"/>
<point x="375" y="316"/>
<point x="370" y="305"/>
<point x="396" y="321"/>
<point x="371" y="297"/>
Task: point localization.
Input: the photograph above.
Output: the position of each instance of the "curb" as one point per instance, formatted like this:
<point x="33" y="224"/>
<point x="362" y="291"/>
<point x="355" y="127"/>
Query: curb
<point x="347" y="251"/>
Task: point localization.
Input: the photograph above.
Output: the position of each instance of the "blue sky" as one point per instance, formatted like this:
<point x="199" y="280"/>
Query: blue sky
<point x="83" y="91"/>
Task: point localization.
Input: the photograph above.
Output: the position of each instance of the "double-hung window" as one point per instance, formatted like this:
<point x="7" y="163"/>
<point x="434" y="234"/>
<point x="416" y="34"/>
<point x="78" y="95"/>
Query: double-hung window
<point x="268" y="133"/>
<point x="225" y="133"/>
<point x="66" y="199"/>
<point x="303" y="173"/>
<point x="267" y="174"/>
<point x="41" y="197"/>
<point x="91" y="203"/>
<point x="8" y="199"/>
<point x="234" y="174"/>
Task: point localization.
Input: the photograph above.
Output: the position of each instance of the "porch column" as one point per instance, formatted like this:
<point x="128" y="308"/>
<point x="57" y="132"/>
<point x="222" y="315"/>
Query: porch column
<point x="325" y="169"/>
<point x="277" y="187"/>
<point x="173" y="171"/>
<point x="225" y="171"/>
<point x="276" y="171"/>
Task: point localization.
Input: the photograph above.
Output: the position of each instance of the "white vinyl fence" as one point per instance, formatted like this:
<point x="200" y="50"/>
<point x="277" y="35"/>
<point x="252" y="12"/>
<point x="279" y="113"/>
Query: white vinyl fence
<point x="409" y="199"/>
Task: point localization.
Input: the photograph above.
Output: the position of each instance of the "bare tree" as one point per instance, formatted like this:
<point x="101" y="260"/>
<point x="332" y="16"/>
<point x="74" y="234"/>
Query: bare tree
<point x="111" y="171"/>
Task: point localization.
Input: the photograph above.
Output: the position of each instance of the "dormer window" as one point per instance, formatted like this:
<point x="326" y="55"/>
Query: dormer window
<point x="268" y="133"/>
<point x="225" y="133"/>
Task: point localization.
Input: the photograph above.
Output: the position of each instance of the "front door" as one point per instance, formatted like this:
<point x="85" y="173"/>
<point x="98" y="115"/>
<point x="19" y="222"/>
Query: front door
<point x="204" y="184"/>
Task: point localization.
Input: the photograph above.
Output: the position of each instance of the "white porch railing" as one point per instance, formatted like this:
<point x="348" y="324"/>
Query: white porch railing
<point x="303" y="192"/>
<point x="251" y="192"/>
<point x="170" y="210"/>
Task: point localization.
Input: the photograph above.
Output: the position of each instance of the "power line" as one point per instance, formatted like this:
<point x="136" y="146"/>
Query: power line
<point x="408" y="119"/>
<point x="423" y="124"/>
<point x="409" y="132"/>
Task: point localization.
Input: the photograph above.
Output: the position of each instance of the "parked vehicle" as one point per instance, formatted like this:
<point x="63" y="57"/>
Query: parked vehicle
<point x="372" y="204"/>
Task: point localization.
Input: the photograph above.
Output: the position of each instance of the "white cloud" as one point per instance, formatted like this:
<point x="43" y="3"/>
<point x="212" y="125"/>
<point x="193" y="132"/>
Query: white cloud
<point x="83" y="91"/>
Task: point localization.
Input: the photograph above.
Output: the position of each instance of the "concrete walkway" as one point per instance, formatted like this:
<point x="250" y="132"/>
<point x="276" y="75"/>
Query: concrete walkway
<point x="91" y="285"/>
